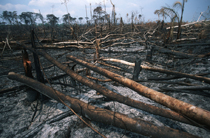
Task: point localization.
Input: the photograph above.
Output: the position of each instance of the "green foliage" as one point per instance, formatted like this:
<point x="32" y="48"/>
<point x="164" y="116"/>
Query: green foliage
<point x="52" y="19"/>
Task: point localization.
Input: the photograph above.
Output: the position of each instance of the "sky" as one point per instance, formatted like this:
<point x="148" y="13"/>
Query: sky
<point x="146" y="8"/>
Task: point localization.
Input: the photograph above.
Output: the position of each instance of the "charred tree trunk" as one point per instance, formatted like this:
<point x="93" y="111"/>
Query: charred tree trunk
<point x="137" y="69"/>
<point x="32" y="95"/>
<point x="102" y="115"/>
<point x="97" y="48"/>
<point x="193" y="112"/>
<point x="149" y="55"/>
<point x="39" y="75"/>
<point x="115" y="96"/>
<point x="196" y="77"/>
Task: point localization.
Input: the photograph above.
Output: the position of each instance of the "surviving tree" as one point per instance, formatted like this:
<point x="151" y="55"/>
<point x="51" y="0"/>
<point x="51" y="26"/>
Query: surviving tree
<point x="52" y="20"/>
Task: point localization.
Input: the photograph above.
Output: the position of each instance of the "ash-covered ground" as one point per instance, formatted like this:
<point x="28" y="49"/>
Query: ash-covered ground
<point x="54" y="120"/>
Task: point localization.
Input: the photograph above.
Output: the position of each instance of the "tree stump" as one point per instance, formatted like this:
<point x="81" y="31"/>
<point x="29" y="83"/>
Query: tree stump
<point x="137" y="69"/>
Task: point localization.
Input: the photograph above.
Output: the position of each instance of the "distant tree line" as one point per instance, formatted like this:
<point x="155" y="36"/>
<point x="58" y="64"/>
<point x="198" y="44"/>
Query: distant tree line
<point x="32" y="19"/>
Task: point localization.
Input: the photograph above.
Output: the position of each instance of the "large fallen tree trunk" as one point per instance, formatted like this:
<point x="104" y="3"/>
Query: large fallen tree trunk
<point x="188" y="44"/>
<point x="196" y="77"/>
<point x="187" y="88"/>
<point x="178" y="53"/>
<point x="199" y="115"/>
<point x="188" y="24"/>
<point x="173" y="52"/>
<point x="73" y="43"/>
<point x="115" y="96"/>
<point x="102" y="115"/>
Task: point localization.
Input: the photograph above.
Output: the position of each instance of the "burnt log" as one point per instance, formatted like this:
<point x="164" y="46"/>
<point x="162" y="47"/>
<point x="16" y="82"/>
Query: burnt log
<point x="195" y="113"/>
<point x="105" y="116"/>
<point x="179" y="74"/>
<point x="116" y="97"/>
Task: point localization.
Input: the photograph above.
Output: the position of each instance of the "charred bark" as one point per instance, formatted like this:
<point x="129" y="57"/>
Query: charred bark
<point x="102" y="115"/>
<point x="97" y="48"/>
<point x="196" y="77"/>
<point x="114" y="96"/>
<point x="39" y="75"/>
<point x="32" y="95"/>
<point x="137" y="69"/>
<point x="199" y="115"/>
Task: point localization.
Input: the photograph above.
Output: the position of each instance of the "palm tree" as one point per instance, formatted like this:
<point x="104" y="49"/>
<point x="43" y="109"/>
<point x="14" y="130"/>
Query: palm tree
<point x="52" y="20"/>
<point x="168" y="12"/>
<point x="161" y="12"/>
<point x="158" y="13"/>
<point x="181" y="5"/>
<point x="7" y="15"/>
<point x="173" y="15"/>
<point x="67" y="18"/>
<point x="80" y="19"/>
<point x="29" y="17"/>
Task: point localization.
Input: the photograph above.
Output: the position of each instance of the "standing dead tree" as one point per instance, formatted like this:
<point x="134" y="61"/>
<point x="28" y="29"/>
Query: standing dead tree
<point x="180" y="22"/>
<point x="32" y="95"/>
<point x="113" y="13"/>
<point x="71" y="28"/>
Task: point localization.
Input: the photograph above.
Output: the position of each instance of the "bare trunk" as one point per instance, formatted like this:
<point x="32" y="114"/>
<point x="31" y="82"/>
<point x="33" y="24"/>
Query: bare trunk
<point x="114" y="96"/>
<point x="102" y="115"/>
<point x="180" y="23"/>
<point x="196" y="77"/>
<point x="193" y="112"/>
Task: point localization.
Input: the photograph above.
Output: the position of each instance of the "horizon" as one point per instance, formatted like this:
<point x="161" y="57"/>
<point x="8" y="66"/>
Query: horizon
<point x="77" y="9"/>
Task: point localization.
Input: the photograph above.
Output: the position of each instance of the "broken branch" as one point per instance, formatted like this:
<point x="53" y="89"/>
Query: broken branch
<point x="102" y="115"/>
<point x="193" y="112"/>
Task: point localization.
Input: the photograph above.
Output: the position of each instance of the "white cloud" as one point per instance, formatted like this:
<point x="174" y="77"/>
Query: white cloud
<point x="11" y="7"/>
<point x="70" y="2"/>
<point x="43" y="2"/>
<point x="133" y="4"/>
<point x="94" y="1"/>
<point x="35" y="10"/>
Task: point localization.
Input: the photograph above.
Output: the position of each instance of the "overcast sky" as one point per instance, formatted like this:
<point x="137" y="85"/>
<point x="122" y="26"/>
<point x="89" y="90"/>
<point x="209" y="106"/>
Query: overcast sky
<point x="77" y="7"/>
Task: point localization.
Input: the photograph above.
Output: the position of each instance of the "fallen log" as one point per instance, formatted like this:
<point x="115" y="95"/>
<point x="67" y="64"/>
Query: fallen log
<point x="188" y="24"/>
<point x="59" y="47"/>
<point x="115" y="67"/>
<point x="196" y="77"/>
<point x="168" y="82"/>
<point x="122" y="43"/>
<point x="20" y="87"/>
<point x="191" y="44"/>
<point x="97" y="79"/>
<point x="173" y="52"/>
<point x="187" y="88"/>
<point x="198" y="114"/>
<point x="179" y="54"/>
<point x="175" y="77"/>
<point x="185" y="39"/>
<point x="114" y="96"/>
<point x="198" y="90"/>
<point x="185" y="91"/>
<point x="102" y="115"/>
<point x="73" y="43"/>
